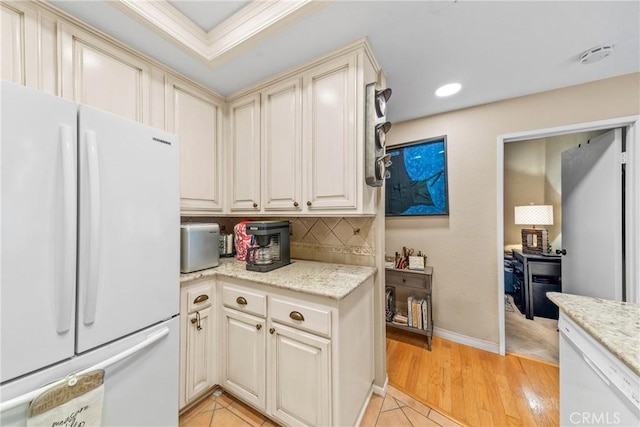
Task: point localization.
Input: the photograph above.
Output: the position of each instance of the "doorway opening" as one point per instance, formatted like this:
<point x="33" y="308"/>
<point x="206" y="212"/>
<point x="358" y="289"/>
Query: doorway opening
<point x="532" y="175"/>
<point x="632" y="238"/>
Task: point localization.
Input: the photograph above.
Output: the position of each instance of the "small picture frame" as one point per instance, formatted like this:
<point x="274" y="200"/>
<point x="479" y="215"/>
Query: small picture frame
<point x="416" y="263"/>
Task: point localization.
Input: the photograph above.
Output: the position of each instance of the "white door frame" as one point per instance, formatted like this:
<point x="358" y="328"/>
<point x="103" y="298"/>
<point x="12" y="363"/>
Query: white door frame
<point x="632" y="235"/>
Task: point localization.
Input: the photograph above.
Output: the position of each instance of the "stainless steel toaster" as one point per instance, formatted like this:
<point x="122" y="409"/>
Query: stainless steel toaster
<point x="199" y="246"/>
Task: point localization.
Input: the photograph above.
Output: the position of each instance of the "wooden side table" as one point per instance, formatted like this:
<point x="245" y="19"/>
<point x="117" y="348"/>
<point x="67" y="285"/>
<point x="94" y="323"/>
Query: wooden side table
<point x="412" y="282"/>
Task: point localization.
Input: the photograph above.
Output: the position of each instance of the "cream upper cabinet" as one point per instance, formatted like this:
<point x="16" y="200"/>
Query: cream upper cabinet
<point x="18" y="42"/>
<point x="282" y="146"/>
<point x="244" y="153"/>
<point x="330" y="136"/>
<point x="96" y="73"/>
<point x="311" y="141"/>
<point x="195" y="117"/>
<point x="29" y="46"/>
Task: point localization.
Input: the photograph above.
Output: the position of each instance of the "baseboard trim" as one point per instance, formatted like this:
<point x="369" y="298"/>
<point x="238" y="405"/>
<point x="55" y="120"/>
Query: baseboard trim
<point x="382" y="391"/>
<point x="467" y="340"/>
<point x="363" y="409"/>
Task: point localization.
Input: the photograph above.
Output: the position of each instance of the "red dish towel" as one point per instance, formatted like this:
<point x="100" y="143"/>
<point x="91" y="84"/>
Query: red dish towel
<point x="242" y="240"/>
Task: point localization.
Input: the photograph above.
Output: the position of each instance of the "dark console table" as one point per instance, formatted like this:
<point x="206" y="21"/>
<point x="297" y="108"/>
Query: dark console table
<point x="536" y="275"/>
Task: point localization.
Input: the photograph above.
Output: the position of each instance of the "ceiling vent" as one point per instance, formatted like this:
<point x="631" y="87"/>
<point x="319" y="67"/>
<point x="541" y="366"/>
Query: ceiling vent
<point x="596" y="54"/>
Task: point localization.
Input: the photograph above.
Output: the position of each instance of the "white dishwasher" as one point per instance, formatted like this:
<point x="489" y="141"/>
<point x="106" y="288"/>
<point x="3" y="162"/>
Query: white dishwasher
<point x="596" y="388"/>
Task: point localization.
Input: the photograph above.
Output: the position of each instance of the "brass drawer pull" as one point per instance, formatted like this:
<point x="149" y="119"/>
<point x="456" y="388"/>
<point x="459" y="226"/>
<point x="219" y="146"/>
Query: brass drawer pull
<point x="258" y="326"/>
<point x="255" y="205"/>
<point x="271" y="330"/>
<point x="241" y="300"/>
<point x="200" y="298"/>
<point x="296" y="315"/>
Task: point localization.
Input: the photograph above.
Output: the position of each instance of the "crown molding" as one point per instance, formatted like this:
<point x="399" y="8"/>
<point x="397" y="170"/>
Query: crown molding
<point x="244" y="29"/>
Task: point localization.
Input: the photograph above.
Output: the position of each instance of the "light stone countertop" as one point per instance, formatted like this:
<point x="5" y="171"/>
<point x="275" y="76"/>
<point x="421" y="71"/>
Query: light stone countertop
<point x="334" y="281"/>
<point x="614" y="324"/>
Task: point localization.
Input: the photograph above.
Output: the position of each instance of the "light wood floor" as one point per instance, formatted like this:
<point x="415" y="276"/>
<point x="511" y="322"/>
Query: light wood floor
<point x="476" y="387"/>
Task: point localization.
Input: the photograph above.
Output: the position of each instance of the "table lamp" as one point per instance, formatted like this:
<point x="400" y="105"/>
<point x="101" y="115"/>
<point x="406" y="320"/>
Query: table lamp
<point x="534" y="240"/>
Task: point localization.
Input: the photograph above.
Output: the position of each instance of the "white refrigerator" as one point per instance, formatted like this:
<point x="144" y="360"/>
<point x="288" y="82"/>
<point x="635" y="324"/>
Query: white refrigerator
<point x="89" y="259"/>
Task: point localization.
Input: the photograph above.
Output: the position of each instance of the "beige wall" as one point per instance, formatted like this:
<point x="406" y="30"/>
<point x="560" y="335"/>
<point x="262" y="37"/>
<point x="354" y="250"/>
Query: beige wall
<point x="532" y="174"/>
<point x="524" y="177"/>
<point x="462" y="246"/>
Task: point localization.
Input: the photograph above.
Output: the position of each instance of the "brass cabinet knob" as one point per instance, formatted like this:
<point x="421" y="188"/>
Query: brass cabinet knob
<point x="241" y="301"/>
<point x="271" y="330"/>
<point x="255" y="205"/>
<point x="295" y="204"/>
<point x="296" y="315"/>
<point x="258" y="326"/>
<point x="308" y="203"/>
<point x="194" y="320"/>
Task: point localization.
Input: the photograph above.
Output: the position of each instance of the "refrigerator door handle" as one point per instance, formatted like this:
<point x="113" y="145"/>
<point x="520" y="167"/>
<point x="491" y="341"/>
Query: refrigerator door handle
<point x="27" y="397"/>
<point x="94" y="228"/>
<point x="66" y="283"/>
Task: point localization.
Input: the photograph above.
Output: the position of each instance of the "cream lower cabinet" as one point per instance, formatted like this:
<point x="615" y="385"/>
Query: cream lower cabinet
<point x="298" y="376"/>
<point x="300" y="359"/>
<point x="197" y="340"/>
<point x="243" y="336"/>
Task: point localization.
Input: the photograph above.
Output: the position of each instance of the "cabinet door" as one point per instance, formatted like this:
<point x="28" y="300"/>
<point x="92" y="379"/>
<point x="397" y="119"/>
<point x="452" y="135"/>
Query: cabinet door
<point x="243" y="362"/>
<point x="330" y="136"/>
<point x="101" y="75"/>
<point x="199" y="366"/>
<point x="19" y="43"/>
<point x="299" y="377"/>
<point x="282" y="146"/>
<point x="192" y="300"/>
<point x="195" y="117"/>
<point x="244" y="133"/>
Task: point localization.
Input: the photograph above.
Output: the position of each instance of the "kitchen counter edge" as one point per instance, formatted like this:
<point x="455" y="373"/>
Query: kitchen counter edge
<point x="614" y="324"/>
<point x="335" y="281"/>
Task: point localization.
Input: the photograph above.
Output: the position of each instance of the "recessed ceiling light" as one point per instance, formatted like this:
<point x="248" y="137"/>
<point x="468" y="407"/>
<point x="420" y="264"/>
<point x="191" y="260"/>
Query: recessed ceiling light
<point x="448" y="89"/>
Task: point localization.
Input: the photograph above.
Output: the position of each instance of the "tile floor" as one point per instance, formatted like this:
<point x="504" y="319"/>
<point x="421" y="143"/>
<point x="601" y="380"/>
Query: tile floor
<point x="396" y="409"/>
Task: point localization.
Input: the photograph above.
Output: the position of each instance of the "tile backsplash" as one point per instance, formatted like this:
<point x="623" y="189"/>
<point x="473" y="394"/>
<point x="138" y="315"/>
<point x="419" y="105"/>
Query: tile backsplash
<point x="346" y="240"/>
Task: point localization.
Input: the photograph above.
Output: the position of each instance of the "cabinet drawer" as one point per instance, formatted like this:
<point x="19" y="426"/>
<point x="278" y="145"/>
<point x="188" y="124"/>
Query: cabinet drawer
<point x="544" y="269"/>
<point x="199" y="297"/>
<point x="419" y="281"/>
<point x="300" y="315"/>
<point x="246" y="300"/>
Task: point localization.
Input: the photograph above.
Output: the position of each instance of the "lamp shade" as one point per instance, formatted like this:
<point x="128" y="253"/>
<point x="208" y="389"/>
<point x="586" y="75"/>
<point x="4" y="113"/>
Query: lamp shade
<point x="534" y="215"/>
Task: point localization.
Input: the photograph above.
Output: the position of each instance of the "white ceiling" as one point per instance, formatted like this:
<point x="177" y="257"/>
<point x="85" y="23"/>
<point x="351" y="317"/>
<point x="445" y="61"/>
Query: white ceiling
<point x="496" y="50"/>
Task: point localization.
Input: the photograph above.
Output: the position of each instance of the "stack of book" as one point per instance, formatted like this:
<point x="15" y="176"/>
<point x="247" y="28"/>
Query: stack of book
<point x="417" y="316"/>
<point x="400" y="319"/>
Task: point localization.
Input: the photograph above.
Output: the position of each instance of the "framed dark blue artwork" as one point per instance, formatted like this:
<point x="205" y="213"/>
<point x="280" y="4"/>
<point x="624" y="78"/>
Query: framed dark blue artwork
<point x="417" y="184"/>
